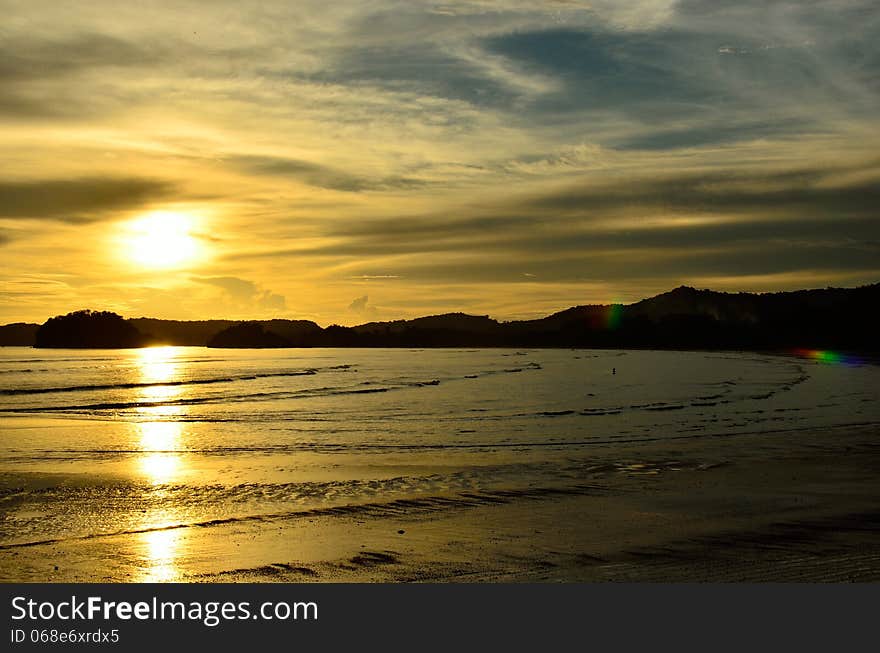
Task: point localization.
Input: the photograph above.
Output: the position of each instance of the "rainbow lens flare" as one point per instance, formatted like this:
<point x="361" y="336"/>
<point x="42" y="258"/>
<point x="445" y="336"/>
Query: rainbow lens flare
<point x="827" y="356"/>
<point x="615" y="314"/>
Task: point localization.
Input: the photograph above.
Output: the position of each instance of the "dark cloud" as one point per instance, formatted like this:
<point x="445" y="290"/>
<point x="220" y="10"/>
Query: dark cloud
<point x="320" y="176"/>
<point x="763" y="14"/>
<point x="634" y="72"/>
<point x="238" y="288"/>
<point x="844" y="234"/>
<point x="767" y="63"/>
<point x="807" y="201"/>
<point x="85" y="199"/>
<point x="25" y="103"/>
<point x="566" y="249"/>
<point x="628" y="264"/>
<point x="495" y="220"/>
<point x="715" y="134"/>
<point x="417" y="67"/>
<point x="716" y="223"/>
<point x="805" y="194"/>
<point x="17" y="105"/>
<point x="33" y="58"/>
<point x="87" y="74"/>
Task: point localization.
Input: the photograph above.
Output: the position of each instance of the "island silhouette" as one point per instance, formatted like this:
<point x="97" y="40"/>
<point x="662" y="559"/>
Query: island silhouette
<point x="89" y="330"/>
<point x="683" y="318"/>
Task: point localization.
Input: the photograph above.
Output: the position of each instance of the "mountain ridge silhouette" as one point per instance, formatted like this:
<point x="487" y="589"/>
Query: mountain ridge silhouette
<point x="684" y="317"/>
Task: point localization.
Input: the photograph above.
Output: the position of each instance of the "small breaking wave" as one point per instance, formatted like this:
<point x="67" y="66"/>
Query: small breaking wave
<point x="137" y="385"/>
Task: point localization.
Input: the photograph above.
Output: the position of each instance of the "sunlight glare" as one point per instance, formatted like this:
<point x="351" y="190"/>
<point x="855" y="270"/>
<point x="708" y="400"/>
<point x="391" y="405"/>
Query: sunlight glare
<point x="160" y="549"/>
<point x="161" y="436"/>
<point x="157" y="364"/>
<point x="162" y="239"/>
<point x="161" y="468"/>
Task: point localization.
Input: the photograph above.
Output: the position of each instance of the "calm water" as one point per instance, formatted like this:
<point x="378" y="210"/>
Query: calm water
<point x="98" y="442"/>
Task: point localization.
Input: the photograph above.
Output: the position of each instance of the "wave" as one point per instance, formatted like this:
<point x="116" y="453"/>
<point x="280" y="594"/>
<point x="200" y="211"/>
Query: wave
<point x="135" y="385"/>
<point x="302" y="393"/>
<point x="325" y="447"/>
<point x="379" y="509"/>
<point x="57" y="360"/>
<point x="92" y="387"/>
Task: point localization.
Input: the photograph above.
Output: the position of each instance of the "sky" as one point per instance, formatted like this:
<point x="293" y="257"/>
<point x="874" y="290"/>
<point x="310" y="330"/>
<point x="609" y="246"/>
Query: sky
<point x="353" y="161"/>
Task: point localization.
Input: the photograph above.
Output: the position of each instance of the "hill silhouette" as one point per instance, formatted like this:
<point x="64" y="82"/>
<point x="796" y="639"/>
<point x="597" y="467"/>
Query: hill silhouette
<point x="186" y="334"/>
<point x="18" y="334"/>
<point x="89" y="330"/>
<point x="830" y="318"/>
<point x="248" y="335"/>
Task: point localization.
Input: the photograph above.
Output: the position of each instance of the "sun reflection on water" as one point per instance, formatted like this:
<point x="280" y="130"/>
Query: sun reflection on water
<point x="161" y="438"/>
<point x="161" y="435"/>
<point x="160" y="550"/>
<point x="161" y="468"/>
<point x="157" y="364"/>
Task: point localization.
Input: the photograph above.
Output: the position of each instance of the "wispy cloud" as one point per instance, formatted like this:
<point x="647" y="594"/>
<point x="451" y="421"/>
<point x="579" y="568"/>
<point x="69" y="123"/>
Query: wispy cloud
<point x="78" y="200"/>
<point x="322" y="176"/>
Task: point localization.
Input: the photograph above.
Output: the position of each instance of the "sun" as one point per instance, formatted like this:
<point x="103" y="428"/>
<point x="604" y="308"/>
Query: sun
<point x="162" y="239"/>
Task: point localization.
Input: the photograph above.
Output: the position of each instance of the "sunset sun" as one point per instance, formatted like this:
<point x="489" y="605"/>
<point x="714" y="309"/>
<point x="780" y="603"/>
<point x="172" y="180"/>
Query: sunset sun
<point x="162" y="239"/>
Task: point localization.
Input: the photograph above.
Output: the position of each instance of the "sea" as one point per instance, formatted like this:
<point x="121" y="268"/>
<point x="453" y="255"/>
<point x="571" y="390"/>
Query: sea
<point x="97" y="442"/>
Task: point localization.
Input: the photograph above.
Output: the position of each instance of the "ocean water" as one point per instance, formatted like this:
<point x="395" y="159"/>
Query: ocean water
<point x="99" y="442"/>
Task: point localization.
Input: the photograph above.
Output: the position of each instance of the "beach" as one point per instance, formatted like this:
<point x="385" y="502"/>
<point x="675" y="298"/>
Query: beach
<point x="778" y="499"/>
<point x="797" y="508"/>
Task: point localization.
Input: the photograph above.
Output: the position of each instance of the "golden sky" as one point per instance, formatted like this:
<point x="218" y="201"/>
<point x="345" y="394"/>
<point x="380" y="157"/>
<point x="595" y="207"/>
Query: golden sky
<point x="351" y="161"/>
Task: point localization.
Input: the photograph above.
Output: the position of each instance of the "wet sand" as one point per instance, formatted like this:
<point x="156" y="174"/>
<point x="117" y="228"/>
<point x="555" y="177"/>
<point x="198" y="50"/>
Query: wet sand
<point x="789" y="506"/>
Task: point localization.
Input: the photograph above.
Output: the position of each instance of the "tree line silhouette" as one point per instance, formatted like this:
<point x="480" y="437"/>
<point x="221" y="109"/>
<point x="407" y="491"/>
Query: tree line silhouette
<point x="832" y="318"/>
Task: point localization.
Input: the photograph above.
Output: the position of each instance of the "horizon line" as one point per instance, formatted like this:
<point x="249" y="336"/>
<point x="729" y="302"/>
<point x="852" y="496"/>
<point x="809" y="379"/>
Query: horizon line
<point x="292" y="319"/>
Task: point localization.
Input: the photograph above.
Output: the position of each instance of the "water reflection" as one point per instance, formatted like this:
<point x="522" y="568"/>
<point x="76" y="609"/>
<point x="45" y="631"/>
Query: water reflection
<point x="162" y="439"/>
<point x="160" y="552"/>
<point x="157" y="364"/>
<point x="161" y="461"/>
<point x="160" y="468"/>
<point x="161" y="433"/>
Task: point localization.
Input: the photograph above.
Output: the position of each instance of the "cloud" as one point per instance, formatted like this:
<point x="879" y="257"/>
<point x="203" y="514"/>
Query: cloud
<point x="716" y="133"/>
<point x="80" y="200"/>
<point x="798" y="193"/>
<point x="707" y="223"/>
<point x="31" y="58"/>
<point x="271" y="301"/>
<point x="320" y="176"/>
<point x="358" y="305"/>
<point x="66" y="76"/>
<point x="362" y="307"/>
<point x="565" y="160"/>
<point x="246" y="294"/>
<point x="600" y="70"/>
<point x="811" y="200"/>
<point x="240" y="289"/>
<point x="421" y="67"/>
